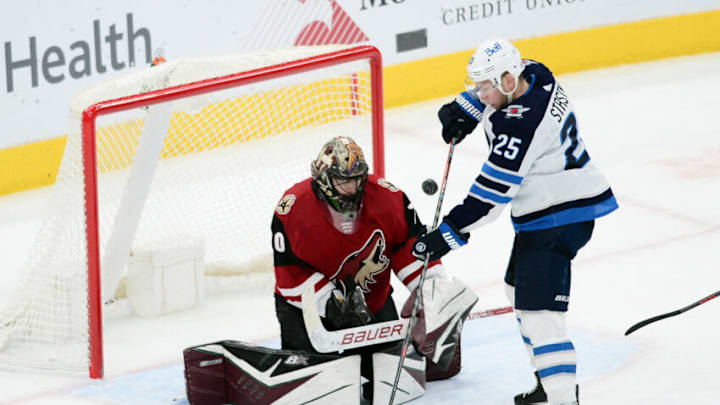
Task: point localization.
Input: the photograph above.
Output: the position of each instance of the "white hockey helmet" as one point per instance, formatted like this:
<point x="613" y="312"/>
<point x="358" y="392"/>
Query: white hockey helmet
<point x="491" y="60"/>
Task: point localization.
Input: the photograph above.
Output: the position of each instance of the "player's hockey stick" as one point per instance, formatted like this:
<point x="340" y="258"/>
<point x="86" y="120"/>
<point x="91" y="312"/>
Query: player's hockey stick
<point x="670" y="314"/>
<point x="418" y="296"/>
<point x="489" y="312"/>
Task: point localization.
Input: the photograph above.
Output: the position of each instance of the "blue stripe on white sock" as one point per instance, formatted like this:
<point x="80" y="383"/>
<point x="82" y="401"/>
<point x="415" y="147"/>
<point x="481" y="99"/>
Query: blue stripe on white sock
<point x="552" y="348"/>
<point x="559" y="369"/>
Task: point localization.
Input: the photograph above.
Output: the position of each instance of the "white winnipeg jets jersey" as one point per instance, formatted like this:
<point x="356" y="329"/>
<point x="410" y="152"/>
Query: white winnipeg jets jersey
<point x="537" y="163"/>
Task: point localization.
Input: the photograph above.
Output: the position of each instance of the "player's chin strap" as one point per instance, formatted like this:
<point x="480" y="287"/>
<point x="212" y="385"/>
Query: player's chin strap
<point x="510" y="94"/>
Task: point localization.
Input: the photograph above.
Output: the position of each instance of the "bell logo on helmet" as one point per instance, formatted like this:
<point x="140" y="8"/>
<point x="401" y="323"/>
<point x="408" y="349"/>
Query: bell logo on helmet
<point x="491" y="50"/>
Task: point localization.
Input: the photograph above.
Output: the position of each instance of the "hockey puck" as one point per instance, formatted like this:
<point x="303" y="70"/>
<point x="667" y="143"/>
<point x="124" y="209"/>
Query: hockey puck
<point x="429" y="186"/>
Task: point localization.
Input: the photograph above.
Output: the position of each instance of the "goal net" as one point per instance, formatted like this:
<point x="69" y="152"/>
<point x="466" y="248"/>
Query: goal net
<point x="196" y="148"/>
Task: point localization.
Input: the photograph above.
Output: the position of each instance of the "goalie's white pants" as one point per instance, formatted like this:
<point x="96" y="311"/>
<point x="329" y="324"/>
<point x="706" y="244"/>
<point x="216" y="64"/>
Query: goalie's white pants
<point x="551" y="352"/>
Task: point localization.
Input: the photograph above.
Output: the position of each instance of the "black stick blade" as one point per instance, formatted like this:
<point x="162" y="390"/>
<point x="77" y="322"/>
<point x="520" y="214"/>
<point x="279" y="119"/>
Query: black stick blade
<point x="651" y="320"/>
<point x="669" y="314"/>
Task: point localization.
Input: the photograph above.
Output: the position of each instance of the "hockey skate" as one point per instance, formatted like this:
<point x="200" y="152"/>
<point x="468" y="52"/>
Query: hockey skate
<point x="537" y="395"/>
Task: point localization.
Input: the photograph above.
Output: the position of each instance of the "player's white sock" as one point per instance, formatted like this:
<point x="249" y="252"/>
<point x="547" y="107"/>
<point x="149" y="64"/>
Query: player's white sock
<point x="553" y="353"/>
<point x="510" y="293"/>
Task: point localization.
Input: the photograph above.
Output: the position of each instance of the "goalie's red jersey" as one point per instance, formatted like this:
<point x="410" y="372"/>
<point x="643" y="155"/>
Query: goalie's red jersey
<point x="308" y="249"/>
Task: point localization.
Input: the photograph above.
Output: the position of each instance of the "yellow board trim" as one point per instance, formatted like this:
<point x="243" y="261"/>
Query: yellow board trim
<point x="30" y="166"/>
<point x="36" y="164"/>
<point x="575" y="51"/>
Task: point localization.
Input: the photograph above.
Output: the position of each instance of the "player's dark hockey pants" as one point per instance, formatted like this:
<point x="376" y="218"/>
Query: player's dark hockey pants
<point x="539" y="266"/>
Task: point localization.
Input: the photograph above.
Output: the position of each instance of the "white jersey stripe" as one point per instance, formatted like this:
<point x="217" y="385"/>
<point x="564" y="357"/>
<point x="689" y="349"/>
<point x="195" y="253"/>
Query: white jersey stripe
<point x="296" y="291"/>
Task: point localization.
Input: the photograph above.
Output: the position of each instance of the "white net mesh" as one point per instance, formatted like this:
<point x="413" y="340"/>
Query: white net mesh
<point x="210" y="166"/>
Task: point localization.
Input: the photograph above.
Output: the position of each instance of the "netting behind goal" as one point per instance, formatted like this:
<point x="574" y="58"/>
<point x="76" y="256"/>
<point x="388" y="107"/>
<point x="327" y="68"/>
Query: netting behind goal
<point x="198" y="148"/>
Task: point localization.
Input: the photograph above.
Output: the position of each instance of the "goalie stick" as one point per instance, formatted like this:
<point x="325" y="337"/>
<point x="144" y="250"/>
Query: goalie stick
<point x="325" y="341"/>
<point x="670" y="314"/>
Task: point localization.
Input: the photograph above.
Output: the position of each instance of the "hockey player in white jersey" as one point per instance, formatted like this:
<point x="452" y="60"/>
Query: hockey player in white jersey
<point x="539" y="164"/>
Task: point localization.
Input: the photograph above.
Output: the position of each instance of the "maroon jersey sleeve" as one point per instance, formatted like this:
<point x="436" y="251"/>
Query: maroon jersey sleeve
<point x="292" y="273"/>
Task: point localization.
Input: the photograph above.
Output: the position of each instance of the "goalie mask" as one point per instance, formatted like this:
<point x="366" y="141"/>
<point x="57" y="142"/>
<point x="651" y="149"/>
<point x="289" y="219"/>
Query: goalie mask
<point x="339" y="174"/>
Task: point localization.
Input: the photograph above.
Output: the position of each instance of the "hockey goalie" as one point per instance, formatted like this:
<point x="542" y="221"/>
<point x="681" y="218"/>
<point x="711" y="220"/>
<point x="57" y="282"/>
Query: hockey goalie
<point x="336" y="238"/>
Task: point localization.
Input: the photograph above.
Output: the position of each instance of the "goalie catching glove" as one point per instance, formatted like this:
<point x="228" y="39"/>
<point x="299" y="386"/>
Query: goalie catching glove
<point x="460" y="117"/>
<point x="346" y="307"/>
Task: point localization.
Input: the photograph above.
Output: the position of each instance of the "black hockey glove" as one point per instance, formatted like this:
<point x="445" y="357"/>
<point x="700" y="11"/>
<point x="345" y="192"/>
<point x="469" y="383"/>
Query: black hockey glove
<point x="440" y="241"/>
<point x="346" y="308"/>
<point x="460" y="117"/>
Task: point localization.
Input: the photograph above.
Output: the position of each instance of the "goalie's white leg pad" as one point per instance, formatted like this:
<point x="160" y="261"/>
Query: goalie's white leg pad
<point x="412" y="378"/>
<point x="446" y="304"/>
<point x="236" y="373"/>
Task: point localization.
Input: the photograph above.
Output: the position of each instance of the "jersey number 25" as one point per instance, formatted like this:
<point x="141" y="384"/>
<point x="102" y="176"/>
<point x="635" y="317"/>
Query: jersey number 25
<point x="511" y="148"/>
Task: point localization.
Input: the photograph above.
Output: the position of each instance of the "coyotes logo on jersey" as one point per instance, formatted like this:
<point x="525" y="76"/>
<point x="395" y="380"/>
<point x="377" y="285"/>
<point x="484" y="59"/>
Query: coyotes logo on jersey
<point x="285" y="204"/>
<point x="365" y="263"/>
